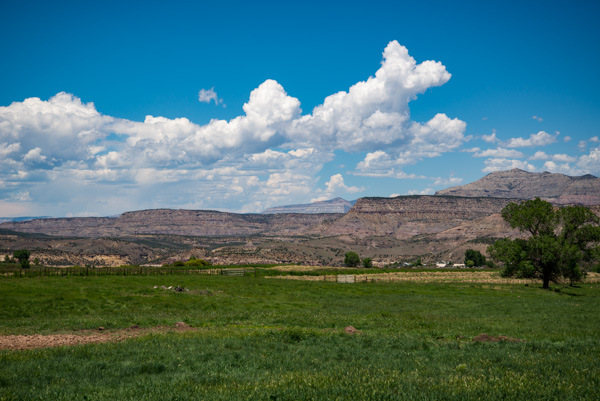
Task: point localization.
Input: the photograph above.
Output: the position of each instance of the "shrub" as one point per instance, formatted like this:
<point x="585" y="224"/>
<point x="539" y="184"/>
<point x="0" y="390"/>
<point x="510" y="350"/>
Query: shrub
<point x="367" y="263"/>
<point x="197" y="262"/>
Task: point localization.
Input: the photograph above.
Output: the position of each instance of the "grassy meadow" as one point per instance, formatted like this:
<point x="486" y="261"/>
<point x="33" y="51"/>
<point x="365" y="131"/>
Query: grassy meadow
<point x="268" y="339"/>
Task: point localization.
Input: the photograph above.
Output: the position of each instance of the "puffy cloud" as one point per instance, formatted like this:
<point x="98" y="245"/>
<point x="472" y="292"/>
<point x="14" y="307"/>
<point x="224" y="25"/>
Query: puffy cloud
<point x="542" y="138"/>
<point x="269" y="153"/>
<point x="208" y="95"/>
<point x="567" y="138"/>
<point x="500" y="152"/>
<point x="540" y="155"/>
<point x="62" y="127"/>
<point x="336" y="184"/>
<point x="35" y="156"/>
<point x="563" y="168"/>
<point x="561" y="157"/>
<point x="590" y="163"/>
<point x="499" y="164"/>
<point x="438" y="135"/>
<point x="375" y="113"/>
<point x="490" y="138"/>
<point x="166" y="142"/>
<point x="447" y="181"/>
<point x="382" y="164"/>
<point x="335" y="187"/>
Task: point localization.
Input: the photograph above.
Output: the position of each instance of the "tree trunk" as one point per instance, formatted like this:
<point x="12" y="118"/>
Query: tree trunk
<point x="546" y="279"/>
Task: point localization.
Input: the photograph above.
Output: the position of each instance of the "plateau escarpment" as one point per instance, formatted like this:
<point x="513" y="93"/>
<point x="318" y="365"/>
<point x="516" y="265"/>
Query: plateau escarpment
<point x="178" y="222"/>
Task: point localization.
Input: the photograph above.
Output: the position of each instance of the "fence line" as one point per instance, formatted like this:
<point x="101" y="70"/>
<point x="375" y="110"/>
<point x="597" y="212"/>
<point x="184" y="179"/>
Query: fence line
<point x="116" y="271"/>
<point x="165" y="271"/>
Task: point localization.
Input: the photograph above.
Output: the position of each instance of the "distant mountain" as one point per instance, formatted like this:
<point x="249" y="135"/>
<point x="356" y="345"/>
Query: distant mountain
<point x="18" y="219"/>
<point x="337" y="205"/>
<point x="519" y="184"/>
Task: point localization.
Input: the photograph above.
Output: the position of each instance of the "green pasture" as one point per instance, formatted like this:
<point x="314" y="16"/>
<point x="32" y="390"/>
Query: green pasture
<point x="271" y="339"/>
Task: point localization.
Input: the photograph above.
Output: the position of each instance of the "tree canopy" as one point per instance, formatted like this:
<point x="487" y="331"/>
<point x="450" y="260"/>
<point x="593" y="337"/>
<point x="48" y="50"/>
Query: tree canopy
<point x="561" y="242"/>
<point x="351" y="259"/>
<point x="22" y="255"/>
<point x="475" y="257"/>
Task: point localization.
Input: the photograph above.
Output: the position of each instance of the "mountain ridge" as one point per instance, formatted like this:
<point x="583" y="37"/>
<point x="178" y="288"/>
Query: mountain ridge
<point x="556" y="188"/>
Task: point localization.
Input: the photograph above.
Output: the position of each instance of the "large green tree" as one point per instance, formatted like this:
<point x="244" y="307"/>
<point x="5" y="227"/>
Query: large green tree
<point x="351" y="259"/>
<point x="22" y="255"/>
<point x="561" y="241"/>
<point x="476" y="258"/>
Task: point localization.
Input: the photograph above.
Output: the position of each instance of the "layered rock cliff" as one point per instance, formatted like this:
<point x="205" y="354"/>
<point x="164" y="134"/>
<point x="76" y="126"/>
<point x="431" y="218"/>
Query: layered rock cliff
<point x="407" y="216"/>
<point x="178" y="222"/>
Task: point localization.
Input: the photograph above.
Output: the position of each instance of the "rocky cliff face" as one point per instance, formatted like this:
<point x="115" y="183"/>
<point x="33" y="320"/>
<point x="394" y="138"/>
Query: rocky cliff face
<point x="407" y="216"/>
<point x="337" y="205"/>
<point x="178" y="222"/>
<point x="519" y="184"/>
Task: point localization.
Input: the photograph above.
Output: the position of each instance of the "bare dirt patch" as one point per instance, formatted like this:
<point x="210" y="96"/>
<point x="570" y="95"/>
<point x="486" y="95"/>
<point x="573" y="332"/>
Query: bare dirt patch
<point x="486" y="338"/>
<point x="100" y="335"/>
<point x="351" y="330"/>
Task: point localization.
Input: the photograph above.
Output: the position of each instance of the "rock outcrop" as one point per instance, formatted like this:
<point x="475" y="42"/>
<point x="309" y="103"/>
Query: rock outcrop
<point x="556" y="188"/>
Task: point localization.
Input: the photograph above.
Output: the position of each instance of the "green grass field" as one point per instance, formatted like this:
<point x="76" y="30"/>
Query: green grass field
<point x="265" y="339"/>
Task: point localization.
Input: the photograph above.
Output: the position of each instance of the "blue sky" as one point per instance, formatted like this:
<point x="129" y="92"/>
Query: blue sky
<point x="113" y="106"/>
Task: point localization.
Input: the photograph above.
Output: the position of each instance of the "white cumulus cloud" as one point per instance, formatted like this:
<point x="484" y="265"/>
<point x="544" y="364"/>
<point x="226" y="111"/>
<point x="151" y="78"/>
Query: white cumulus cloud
<point x="375" y="112"/>
<point x="270" y="153"/>
<point x="499" y="164"/>
<point x="492" y="138"/>
<point x="563" y="168"/>
<point x="208" y="95"/>
<point x="542" y="138"/>
<point x="590" y="163"/>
